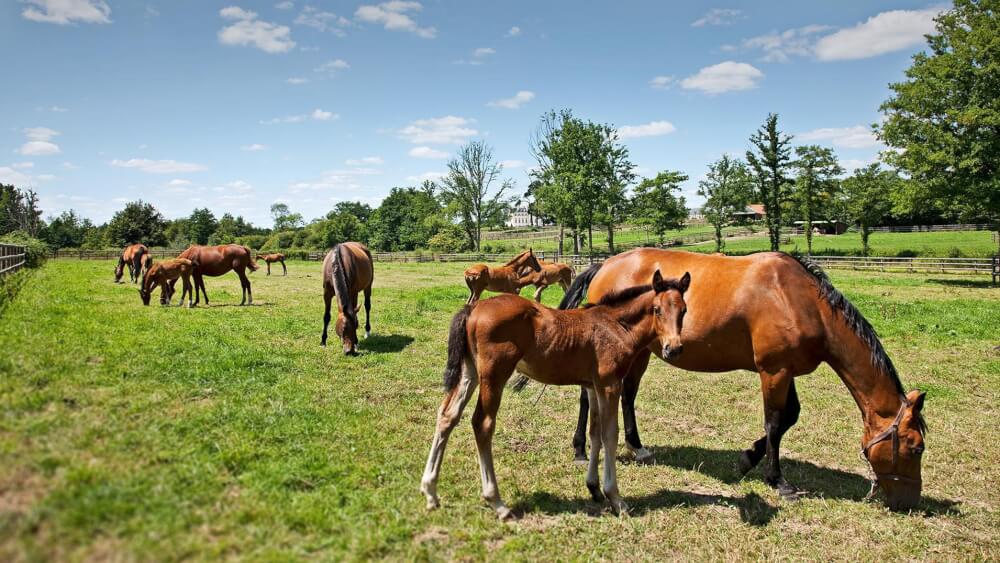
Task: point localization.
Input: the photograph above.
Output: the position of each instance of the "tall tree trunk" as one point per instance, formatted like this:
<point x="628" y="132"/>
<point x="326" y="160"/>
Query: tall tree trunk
<point x="718" y="237"/>
<point x="562" y="235"/>
<point x="590" y="238"/>
<point x="864" y="239"/>
<point x="611" y="238"/>
<point x="576" y="240"/>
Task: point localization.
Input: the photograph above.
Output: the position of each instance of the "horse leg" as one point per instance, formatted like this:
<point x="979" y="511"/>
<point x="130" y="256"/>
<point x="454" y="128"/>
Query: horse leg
<point x="483" y="425"/>
<point x="186" y="291"/>
<point x="328" y="298"/>
<point x="268" y="267"/>
<point x="368" y="311"/>
<point x="749" y="458"/>
<point x="607" y="405"/>
<point x="781" y="411"/>
<point x="580" y="435"/>
<point x="284" y="268"/>
<point x="629" y="391"/>
<point x="245" y="282"/>
<point x="538" y="293"/>
<point x="449" y="414"/>
<point x="593" y="479"/>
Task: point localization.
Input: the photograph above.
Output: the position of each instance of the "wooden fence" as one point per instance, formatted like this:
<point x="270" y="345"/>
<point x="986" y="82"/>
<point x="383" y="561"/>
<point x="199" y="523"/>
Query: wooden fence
<point x="12" y="258"/>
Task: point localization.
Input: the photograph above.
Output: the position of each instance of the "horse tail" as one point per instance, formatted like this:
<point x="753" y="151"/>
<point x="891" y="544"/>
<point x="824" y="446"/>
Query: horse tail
<point x="253" y="264"/>
<point x="574" y="296"/>
<point x="457" y="346"/>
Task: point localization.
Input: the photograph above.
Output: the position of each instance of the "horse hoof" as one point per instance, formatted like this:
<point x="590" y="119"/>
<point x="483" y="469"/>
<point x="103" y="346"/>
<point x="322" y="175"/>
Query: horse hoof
<point x="506" y="515"/>
<point x="367" y="334"/>
<point x="580" y="459"/>
<point x="620" y="508"/>
<point x="643" y="456"/>
<point x="595" y="492"/>
<point x="745" y="464"/>
<point x="787" y="491"/>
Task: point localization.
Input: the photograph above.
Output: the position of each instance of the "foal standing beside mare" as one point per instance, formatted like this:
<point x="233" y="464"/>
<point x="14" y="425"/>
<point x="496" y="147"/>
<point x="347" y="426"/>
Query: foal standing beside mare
<point x="214" y="261"/>
<point x="780" y="317"/>
<point x="593" y="347"/>
<point x="347" y="271"/>
<point x="138" y="260"/>
<point x="505" y="279"/>
<point x="162" y="274"/>
<point x="270" y="258"/>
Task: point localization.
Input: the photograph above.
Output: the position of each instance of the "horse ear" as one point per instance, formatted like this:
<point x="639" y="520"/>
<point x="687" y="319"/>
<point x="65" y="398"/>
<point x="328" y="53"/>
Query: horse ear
<point x="685" y="281"/>
<point x="657" y="280"/>
<point x="916" y="398"/>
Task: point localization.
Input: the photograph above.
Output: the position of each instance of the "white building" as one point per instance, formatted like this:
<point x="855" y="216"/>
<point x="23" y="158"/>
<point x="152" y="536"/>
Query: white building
<point x="520" y="217"/>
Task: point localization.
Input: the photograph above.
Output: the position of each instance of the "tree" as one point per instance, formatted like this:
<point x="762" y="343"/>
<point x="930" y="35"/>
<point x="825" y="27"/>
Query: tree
<point x="866" y="198"/>
<point x="137" y="222"/>
<point x="19" y="211"/>
<point x="552" y="193"/>
<point x="66" y="231"/>
<point x="473" y="188"/>
<point x="201" y="225"/>
<point x="944" y="120"/>
<point x="727" y="189"/>
<point x="657" y="207"/>
<point x="284" y="219"/>
<point x="361" y="211"/>
<point x="770" y="163"/>
<point x="403" y="220"/>
<point x="618" y="173"/>
<point x="816" y="184"/>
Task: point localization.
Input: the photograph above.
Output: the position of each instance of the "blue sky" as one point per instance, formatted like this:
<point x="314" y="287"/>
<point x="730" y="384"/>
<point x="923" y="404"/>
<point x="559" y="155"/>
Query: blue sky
<point x="234" y="106"/>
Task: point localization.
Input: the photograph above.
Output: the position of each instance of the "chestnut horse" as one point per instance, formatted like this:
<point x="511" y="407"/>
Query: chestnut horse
<point x="347" y="271"/>
<point x="138" y="260"/>
<point x="505" y="279"/>
<point x="593" y="347"/>
<point x="214" y="261"/>
<point x="270" y="258"/>
<point x="551" y="273"/>
<point x="161" y="274"/>
<point x="780" y="317"/>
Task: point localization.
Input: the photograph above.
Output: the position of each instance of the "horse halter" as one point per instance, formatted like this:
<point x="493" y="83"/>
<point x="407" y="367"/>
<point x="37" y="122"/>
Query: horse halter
<point x="890" y="433"/>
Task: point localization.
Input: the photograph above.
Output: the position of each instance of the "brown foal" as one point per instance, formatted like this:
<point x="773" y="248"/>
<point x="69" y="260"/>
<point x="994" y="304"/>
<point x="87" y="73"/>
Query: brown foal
<point x="505" y="279"/>
<point x="138" y="260"/>
<point x="593" y="347"/>
<point x="271" y="258"/>
<point x="164" y="272"/>
<point x="551" y="273"/>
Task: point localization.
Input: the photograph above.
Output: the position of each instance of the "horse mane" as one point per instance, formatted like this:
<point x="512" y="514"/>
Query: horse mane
<point x="629" y="293"/>
<point x="859" y="325"/>
<point x="340" y="285"/>
<point x="516" y="258"/>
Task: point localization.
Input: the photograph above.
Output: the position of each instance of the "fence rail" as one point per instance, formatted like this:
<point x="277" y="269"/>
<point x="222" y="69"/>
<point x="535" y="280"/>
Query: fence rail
<point x="12" y="258"/>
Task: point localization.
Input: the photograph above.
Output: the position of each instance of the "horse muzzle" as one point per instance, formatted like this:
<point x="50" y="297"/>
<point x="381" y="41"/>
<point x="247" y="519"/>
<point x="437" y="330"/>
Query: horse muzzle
<point x="671" y="352"/>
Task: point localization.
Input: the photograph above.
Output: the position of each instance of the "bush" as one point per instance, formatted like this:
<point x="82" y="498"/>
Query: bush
<point x="36" y="251"/>
<point x="955" y="252"/>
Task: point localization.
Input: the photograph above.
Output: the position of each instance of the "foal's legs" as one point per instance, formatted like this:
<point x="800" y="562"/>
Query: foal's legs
<point x="368" y="310"/>
<point x="483" y="424"/>
<point x="328" y="293"/>
<point x="538" y="293"/>
<point x="589" y="401"/>
<point x="449" y="414"/>
<point x="186" y="291"/>
<point x="604" y="432"/>
<point x="781" y="411"/>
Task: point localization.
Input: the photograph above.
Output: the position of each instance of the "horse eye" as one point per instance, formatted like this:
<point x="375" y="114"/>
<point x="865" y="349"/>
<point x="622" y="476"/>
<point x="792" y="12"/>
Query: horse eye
<point x="656" y="311"/>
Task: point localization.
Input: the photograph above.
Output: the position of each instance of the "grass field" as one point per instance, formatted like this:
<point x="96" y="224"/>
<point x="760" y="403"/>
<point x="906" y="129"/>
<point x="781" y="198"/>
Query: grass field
<point x="148" y="433"/>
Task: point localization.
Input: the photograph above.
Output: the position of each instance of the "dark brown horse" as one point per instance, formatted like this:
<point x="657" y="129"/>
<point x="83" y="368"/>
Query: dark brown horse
<point x="165" y="274"/>
<point x="214" y="261"/>
<point x="138" y="260"/>
<point x="271" y="258"/>
<point x="505" y="279"/>
<point x="347" y="271"/>
<point x="593" y="347"/>
<point x="779" y="317"/>
<point x="551" y="273"/>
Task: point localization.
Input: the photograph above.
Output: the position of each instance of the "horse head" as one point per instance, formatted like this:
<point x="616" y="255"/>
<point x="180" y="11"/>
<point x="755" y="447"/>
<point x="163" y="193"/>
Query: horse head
<point x="894" y="454"/>
<point x="669" y="309"/>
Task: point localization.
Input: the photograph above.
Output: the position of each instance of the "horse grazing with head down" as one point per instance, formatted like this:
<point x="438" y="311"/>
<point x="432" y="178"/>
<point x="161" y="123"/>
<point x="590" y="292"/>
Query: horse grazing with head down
<point x="215" y="261"/>
<point x="505" y="279"/>
<point x="138" y="260"/>
<point x="271" y="258"/>
<point x="347" y="271"/>
<point x="162" y="274"/>
<point x="551" y="273"/>
<point x="593" y="347"/>
<point x="779" y="317"/>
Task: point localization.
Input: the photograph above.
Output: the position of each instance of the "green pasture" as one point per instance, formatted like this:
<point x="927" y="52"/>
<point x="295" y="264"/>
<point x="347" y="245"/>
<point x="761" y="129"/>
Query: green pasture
<point x="225" y="432"/>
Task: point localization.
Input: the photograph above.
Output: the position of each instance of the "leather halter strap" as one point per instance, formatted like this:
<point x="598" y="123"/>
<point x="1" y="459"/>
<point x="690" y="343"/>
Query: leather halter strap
<point x="890" y="433"/>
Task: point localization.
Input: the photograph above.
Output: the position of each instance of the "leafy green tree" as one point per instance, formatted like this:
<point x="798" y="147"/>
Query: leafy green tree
<point x="19" y="211"/>
<point x="770" y="160"/>
<point x="137" y="222"/>
<point x="402" y="221"/>
<point x="66" y="231"/>
<point x="727" y="189"/>
<point x="361" y="211"/>
<point x="815" y="185"/>
<point x="201" y="225"/>
<point x="474" y="188"/>
<point x="944" y="119"/>
<point x="284" y="219"/>
<point x="449" y="239"/>
<point x="867" y="200"/>
<point x="618" y="173"/>
<point x="657" y="207"/>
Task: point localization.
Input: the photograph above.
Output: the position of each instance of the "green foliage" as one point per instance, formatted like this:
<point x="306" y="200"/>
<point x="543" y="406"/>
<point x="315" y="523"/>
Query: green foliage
<point x="727" y="189"/>
<point x="402" y="221"/>
<point x="36" y="251"/>
<point x="945" y="117"/>
<point x="19" y="211"/>
<point x="201" y="225"/>
<point x="68" y="230"/>
<point x="656" y="206"/>
<point x="867" y="199"/>
<point x="284" y="219"/>
<point x="816" y="185"/>
<point x="451" y="239"/>
<point x="770" y="160"/>
<point x="474" y="188"/>
<point x="137" y="222"/>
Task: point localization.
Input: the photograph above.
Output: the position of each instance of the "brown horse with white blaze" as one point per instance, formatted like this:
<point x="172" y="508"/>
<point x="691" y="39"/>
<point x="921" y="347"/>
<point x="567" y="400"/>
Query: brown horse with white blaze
<point x="138" y="260"/>
<point x="214" y="261"/>
<point x="347" y="271"/>
<point x="504" y="279"/>
<point x="593" y="347"/>
<point x="779" y="317"/>
<point x="272" y="258"/>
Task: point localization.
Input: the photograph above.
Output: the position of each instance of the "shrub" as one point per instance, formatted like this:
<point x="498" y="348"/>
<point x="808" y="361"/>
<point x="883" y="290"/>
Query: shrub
<point x="36" y="251"/>
<point x="955" y="252"/>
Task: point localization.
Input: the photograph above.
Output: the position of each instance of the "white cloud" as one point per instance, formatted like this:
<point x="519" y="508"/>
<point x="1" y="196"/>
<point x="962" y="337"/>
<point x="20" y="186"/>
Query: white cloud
<point x="440" y="130"/>
<point x="481" y="52"/>
<point x="321" y="115"/>
<point x="780" y="47"/>
<point x="317" y="114"/>
<point x="345" y="180"/>
<point x="651" y="129"/>
<point x="718" y="16"/>
<point x="58" y="109"/>
<point x="159" y="166"/>
<point x="248" y="30"/>
<point x="514" y="31"/>
<point x="392" y="15"/>
<point x="368" y="160"/>
<point x="728" y="76"/>
<point x="254" y="147"/>
<point x="64" y="12"/>
<point x="22" y="165"/>
<point x="322" y="20"/>
<point x="510" y="164"/>
<point x="46" y="177"/>
<point x="662" y="82"/>
<point x="297" y="81"/>
<point x="286" y="5"/>
<point x="427" y="152"/>
<point x="69" y="165"/>
<point x="177" y="182"/>
<point x="40" y="133"/>
<point x="421" y="178"/>
<point x="857" y="137"/>
<point x="515" y="102"/>
<point x="882" y="33"/>
<point x="9" y="175"/>
<point x="38" y="148"/>
<point x="330" y="67"/>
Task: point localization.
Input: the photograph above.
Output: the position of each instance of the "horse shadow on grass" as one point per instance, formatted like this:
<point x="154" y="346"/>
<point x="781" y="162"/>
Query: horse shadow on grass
<point x="975" y="284"/>
<point x="385" y="344"/>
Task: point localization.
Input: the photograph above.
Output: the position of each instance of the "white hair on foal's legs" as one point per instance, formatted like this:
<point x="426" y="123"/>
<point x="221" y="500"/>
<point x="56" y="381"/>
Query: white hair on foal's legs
<point x="449" y="415"/>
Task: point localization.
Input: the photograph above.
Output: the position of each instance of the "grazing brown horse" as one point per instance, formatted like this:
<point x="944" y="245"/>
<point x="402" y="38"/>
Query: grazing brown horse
<point x="505" y="279"/>
<point x="214" y="261"/>
<point x="270" y="258"/>
<point x="593" y="347"/>
<point x="162" y="274"/>
<point x="551" y="273"/>
<point x="347" y="271"/>
<point x="138" y="260"/>
<point x="779" y="317"/>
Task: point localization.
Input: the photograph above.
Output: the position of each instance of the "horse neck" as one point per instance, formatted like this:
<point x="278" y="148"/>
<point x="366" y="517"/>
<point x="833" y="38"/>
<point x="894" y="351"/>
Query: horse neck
<point x="633" y="315"/>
